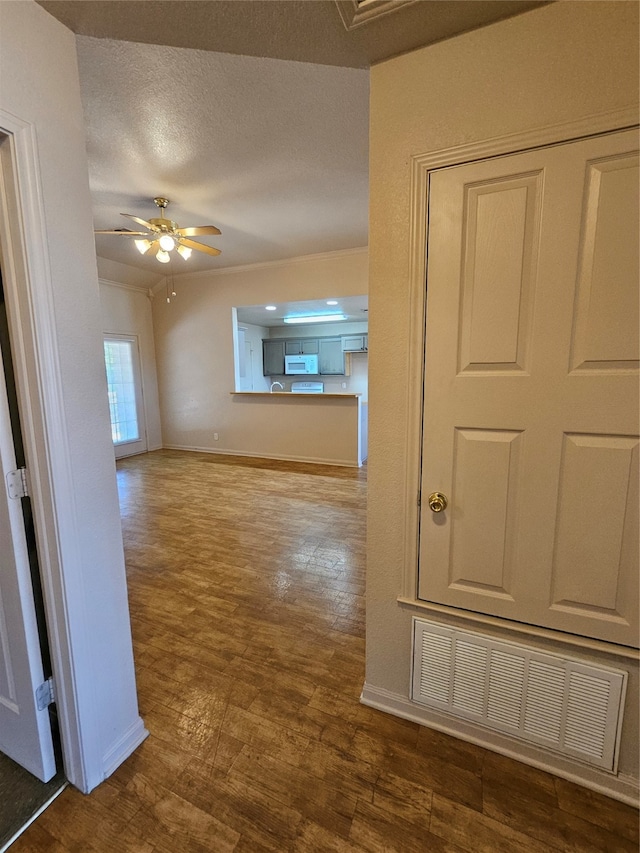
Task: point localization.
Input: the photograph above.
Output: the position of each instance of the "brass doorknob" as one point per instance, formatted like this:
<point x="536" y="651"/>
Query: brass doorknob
<point x="437" y="502"/>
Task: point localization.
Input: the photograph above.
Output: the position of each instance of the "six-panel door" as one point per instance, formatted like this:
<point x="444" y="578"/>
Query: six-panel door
<point x="531" y="388"/>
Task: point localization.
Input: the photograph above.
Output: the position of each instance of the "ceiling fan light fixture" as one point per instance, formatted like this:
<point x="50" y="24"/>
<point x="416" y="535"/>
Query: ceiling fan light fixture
<point x="161" y="235"/>
<point x="142" y="246"/>
<point x="167" y="242"/>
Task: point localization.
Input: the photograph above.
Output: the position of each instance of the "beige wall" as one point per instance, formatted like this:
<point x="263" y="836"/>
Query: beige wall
<point x="125" y="274"/>
<point x="77" y="513"/>
<point x="126" y="310"/>
<point x="195" y="357"/>
<point x="561" y="63"/>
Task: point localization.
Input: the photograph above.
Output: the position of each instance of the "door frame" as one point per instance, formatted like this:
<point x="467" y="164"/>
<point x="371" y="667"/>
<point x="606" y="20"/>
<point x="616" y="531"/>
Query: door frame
<point x="29" y="298"/>
<point x="28" y="738"/>
<point x="421" y="166"/>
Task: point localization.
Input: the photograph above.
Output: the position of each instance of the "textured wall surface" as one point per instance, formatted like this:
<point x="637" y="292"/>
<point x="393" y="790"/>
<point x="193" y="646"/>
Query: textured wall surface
<point x="39" y="85"/>
<point x="550" y="66"/>
<point x="194" y="345"/>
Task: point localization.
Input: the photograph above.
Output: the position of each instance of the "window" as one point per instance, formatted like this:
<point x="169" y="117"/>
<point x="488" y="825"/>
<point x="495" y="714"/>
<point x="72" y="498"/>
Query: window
<point x="119" y="360"/>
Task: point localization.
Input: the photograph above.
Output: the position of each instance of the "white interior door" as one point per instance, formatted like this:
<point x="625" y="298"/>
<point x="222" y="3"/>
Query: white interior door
<point x="531" y="388"/>
<point x="25" y="731"/>
<point x="124" y="385"/>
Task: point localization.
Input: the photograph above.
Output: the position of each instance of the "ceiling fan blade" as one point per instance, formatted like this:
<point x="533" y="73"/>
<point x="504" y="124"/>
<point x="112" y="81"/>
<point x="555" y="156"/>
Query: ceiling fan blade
<point x="153" y="247"/>
<point x="141" y="221"/>
<point x="197" y="230"/>
<point x="125" y="231"/>
<point x="191" y="244"/>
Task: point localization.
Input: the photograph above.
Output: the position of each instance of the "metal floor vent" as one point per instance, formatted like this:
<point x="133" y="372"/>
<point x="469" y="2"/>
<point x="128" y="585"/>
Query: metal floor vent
<point x="556" y="702"/>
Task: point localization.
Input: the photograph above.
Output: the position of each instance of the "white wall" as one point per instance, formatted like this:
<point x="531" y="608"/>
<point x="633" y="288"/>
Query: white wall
<point x="560" y="63"/>
<point x="195" y="351"/>
<point x="253" y="335"/>
<point x="125" y="274"/>
<point x="126" y="310"/>
<point x="78" y="518"/>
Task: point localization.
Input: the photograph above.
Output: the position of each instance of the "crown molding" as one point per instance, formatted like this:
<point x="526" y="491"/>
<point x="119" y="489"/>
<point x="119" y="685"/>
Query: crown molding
<point x="301" y="259"/>
<point x="125" y="286"/>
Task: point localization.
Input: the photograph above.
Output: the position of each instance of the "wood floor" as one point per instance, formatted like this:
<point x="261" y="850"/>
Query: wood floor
<point x="246" y="582"/>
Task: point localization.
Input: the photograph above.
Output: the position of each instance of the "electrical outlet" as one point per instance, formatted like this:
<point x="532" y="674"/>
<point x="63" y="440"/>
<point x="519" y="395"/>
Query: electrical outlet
<point x="344" y="384"/>
<point x="215" y="436"/>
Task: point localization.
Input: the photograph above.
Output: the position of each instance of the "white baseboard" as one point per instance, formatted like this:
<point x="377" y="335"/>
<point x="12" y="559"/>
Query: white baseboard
<point x="622" y="788"/>
<point x="344" y="463"/>
<point x="123" y="747"/>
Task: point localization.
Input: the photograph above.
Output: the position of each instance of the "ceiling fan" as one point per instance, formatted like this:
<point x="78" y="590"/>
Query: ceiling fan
<point x="163" y="235"/>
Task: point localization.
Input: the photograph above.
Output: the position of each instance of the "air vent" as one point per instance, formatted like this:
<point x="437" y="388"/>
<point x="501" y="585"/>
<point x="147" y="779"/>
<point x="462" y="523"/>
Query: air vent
<point x="355" y="13"/>
<point x="555" y="702"/>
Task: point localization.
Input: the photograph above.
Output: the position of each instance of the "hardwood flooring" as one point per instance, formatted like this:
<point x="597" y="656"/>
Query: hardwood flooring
<point x="246" y="581"/>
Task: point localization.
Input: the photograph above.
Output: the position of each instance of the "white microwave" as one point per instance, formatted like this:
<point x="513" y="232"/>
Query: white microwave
<point x="300" y="365"/>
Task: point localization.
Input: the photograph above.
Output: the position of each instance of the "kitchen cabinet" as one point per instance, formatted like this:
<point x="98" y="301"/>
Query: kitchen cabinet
<point x="304" y="346"/>
<point x="330" y="357"/>
<point x="355" y="343"/>
<point x="273" y="358"/>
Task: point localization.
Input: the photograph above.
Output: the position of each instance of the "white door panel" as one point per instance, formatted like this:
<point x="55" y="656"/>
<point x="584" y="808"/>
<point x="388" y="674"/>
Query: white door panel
<point x="25" y="732"/>
<point x="531" y="388"/>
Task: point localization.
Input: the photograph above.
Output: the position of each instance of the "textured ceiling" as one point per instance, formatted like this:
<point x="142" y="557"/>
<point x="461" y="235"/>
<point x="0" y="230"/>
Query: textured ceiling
<point x="301" y="30"/>
<point x="273" y="153"/>
<point x="251" y="116"/>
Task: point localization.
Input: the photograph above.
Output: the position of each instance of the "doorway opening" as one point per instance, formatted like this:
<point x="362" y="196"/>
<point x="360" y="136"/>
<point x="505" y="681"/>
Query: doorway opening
<point x="22" y="794"/>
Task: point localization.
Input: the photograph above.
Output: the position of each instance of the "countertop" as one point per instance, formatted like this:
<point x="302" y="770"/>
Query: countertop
<point x="288" y="394"/>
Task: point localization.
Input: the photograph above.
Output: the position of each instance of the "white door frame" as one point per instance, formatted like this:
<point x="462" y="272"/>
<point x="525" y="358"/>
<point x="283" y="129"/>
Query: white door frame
<point x="29" y="298"/>
<point x="421" y="166"/>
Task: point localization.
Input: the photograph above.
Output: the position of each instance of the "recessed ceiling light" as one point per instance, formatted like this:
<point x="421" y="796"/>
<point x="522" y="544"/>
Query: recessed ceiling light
<point x="332" y="301"/>
<point x="270" y="307"/>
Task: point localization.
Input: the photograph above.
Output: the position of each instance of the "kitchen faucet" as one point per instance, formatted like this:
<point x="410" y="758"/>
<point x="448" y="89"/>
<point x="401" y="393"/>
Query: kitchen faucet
<point x="276" y="383"/>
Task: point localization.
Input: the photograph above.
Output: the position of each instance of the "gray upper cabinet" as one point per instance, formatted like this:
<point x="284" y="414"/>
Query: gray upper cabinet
<point x="273" y="358"/>
<point x="331" y="357"/>
<point x="330" y="352"/>
<point x="304" y="346"/>
<point x="355" y="343"/>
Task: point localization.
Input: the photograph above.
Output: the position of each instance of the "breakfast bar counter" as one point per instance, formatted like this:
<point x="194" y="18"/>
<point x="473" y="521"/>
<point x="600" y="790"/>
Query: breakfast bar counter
<point x="288" y="394"/>
<point x="328" y="428"/>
